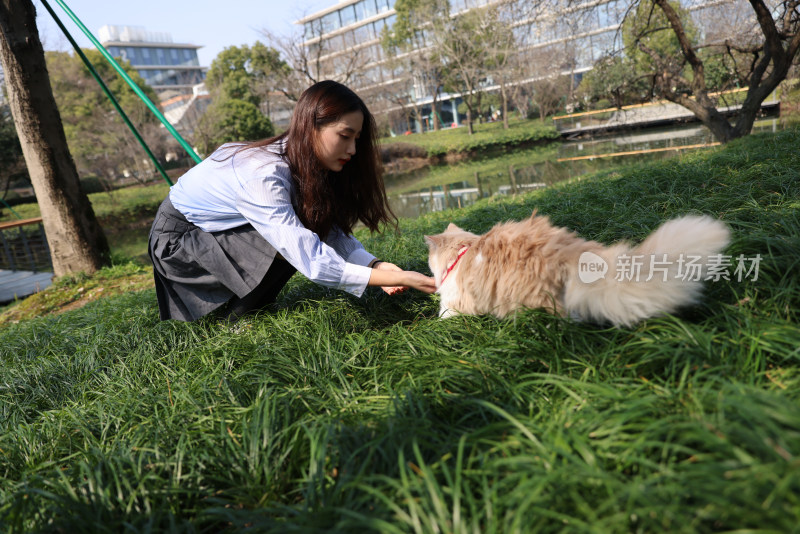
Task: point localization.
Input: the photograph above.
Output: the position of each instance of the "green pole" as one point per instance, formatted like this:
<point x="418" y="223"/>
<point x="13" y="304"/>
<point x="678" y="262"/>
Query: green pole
<point x="105" y="89"/>
<point x="130" y="82"/>
<point x="10" y="208"/>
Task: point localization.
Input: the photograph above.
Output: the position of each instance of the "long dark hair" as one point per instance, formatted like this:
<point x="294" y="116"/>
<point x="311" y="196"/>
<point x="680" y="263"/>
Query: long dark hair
<point x="324" y="198"/>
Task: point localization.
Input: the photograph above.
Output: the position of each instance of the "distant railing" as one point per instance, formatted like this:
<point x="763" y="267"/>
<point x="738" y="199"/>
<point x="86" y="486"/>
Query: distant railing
<point x="24" y="246"/>
<point x="649" y="111"/>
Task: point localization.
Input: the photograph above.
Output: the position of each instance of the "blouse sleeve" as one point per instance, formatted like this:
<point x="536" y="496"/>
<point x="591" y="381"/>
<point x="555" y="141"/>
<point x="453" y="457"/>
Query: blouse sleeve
<point x="349" y="247"/>
<point x="265" y="202"/>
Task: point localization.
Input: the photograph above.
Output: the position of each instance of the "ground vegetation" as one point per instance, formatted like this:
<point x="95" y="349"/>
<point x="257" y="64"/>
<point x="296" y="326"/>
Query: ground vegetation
<point x="330" y="413"/>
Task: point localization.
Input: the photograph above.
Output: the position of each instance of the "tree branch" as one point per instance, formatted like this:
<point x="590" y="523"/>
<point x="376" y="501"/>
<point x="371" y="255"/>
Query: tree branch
<point x="699" y="82"/>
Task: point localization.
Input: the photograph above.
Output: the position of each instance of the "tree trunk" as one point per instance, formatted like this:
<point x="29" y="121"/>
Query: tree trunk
<point x="418" y="117"/>
<point x="77" y="243"/>
<point x="504" y="96"/>
<point x="762" y="79"/>
<point x="436" y="124"/>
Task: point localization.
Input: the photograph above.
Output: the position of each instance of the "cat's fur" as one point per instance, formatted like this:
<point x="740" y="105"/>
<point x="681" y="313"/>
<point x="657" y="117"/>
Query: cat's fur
<point x="533" y="264"/>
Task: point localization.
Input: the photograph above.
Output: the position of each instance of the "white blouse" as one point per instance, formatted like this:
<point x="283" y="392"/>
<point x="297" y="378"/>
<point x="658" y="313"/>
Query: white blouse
<point x="255" y="186"/>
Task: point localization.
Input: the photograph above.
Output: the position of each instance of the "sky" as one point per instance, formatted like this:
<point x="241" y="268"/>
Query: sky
<point x="212" y="25"/>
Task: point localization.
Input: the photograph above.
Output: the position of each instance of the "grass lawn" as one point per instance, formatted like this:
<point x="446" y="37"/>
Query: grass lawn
<point x="487" y="136"/>
<point x="336" y="414"/>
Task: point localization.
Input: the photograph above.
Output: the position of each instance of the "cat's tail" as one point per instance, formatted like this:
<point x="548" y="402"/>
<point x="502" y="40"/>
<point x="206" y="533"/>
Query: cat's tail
<point x="624" y="285"/>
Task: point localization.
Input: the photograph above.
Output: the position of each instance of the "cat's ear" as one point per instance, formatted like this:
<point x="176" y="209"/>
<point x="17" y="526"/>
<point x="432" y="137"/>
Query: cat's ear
<point x="430" y="240"/>
<point x="453" y="228"/>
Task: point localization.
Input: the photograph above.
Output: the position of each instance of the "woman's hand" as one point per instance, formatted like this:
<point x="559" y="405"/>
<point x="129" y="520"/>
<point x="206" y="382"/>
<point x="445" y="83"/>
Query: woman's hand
<point x="393" y="279"/>
<point x="386" y="266"/>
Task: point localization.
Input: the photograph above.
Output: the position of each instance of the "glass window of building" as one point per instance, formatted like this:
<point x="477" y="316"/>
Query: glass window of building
<point x="173" y="56"/>
<point x="160" y="59"/>
<point x="582" y="50"/>
<point x="331" y="22"/>
<point x="365" y="9"/>
<point x="457" y="5"/>
<point x="384" y="5"/>
<point x="347" y="15"/>
<point x="371" y="75"/>
<point x="602" y="43"/>
<point x="146" y="60"/>
<point x="334" y="44"/>
<point x="130" y="54"/>
<point x="616" y="11"/>
<point x="378" y="26"/>
<point x="361" y="34"/>
<point x="350" y="39"/>
<point x="377" y="52"/>
<point x="521" y="32"/>
<point x="603" y="16"/>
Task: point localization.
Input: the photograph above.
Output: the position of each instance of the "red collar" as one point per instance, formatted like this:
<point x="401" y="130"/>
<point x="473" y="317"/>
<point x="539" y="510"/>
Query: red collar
<point x="463" y="250"/>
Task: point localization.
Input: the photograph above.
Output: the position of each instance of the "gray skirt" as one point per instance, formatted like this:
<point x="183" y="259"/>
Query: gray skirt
<point x="196" y="272"/>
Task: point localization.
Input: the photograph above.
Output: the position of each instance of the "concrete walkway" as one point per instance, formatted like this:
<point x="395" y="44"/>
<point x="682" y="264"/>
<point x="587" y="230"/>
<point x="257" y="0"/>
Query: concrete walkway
<point x="20" y="284"/>
<point x="636" y="117"/>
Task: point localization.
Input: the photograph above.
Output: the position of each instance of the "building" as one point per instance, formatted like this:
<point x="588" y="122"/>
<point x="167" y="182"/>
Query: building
<point x="185" y="110"/>
<point x="568" y="35"/>
<point x="169" y="68"/>
<point x="347" y="32"/>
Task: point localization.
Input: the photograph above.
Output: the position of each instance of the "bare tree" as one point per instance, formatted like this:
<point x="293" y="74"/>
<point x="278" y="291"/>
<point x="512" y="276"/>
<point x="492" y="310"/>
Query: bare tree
<point x="410" y="48"/>
<point x="401" y="95"/>
<point x="415" y="76"/>
<point x="76" y="240"/>
<point x="549" y="80"/>
<point x="503" y="26"/>
<point x="761" y="53"/>
<point x="312" y="58"/>
<point x="460" y="46"/>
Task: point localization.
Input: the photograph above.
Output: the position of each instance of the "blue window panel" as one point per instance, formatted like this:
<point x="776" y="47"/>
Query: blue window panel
<point x="362" y="34"/>
<point x="331" y="22"/>
<point x="366" y="9"/>
<point x="347" y="15"/>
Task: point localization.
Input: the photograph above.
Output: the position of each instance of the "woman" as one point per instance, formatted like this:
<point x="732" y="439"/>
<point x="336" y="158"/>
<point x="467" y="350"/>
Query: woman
<point x="235" y="228"/>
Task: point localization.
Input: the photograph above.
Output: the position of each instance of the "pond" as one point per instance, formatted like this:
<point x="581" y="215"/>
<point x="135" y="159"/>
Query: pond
<point x="511" y="172"/>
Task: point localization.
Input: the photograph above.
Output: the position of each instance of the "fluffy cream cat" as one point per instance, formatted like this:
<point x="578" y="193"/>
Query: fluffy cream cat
<point x="533" y="264"/>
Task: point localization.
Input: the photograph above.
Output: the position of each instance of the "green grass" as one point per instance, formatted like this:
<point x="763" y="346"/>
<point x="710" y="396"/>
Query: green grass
<point x="125" y="214"/>
<point x="123" y="205"/>
<point x="489" y="135"/>
<point x="336" y="414"/>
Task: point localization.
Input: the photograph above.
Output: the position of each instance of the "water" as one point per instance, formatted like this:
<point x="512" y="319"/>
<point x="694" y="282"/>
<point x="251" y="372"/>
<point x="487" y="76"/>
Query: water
<point x="509" y="173"/>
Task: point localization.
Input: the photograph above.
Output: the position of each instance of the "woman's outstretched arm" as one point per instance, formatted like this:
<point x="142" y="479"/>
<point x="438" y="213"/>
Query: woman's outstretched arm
<point x="393" y="279"/>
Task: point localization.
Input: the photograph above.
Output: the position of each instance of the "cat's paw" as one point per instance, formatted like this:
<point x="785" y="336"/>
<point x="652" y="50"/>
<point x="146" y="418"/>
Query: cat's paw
<point x="444" y="313"/>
